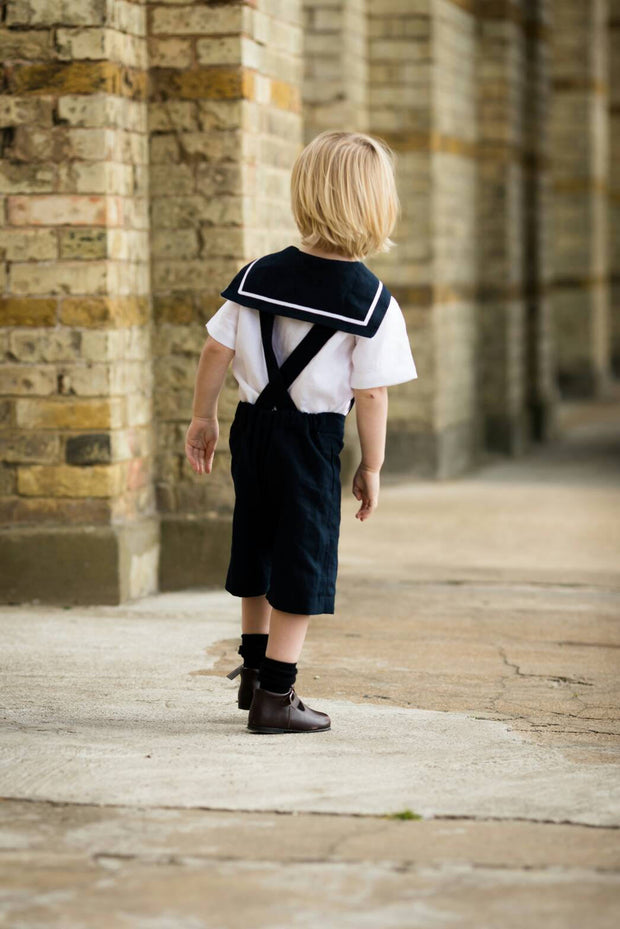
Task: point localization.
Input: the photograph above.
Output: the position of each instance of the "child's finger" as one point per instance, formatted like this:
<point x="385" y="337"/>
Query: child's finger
<point x="367" y="508"/>
<point x="361" y="513"/>
<point x="209" y="453"/>
<point x="195" y="457"/>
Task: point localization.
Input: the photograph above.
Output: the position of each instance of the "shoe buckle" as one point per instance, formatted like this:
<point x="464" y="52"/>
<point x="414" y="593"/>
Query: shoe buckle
<point x="291" y="698"/>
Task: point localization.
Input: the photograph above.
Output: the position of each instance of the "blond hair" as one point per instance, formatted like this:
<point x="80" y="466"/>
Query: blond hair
<point x="343" y="194"/>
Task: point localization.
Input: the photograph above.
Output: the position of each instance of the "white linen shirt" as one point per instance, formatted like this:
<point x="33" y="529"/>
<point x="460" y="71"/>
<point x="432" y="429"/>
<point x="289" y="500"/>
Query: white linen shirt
<point x="347" y="361"/>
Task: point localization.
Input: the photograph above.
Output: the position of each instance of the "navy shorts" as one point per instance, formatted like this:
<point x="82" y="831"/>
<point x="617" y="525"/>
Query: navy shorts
<point x="286" y="522"/>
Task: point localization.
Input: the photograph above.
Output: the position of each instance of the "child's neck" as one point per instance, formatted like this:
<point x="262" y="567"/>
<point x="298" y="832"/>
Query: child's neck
<point x="336" y="256"/>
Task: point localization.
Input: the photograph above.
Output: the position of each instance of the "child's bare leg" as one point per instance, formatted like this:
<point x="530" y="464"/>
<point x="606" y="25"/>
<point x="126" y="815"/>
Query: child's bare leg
<point x="287" y="634"/>
<point x="255" y="615"/>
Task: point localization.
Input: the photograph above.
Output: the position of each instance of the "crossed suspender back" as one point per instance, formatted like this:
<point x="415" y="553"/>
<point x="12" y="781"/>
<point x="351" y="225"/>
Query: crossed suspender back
<point x="275" y="395"/>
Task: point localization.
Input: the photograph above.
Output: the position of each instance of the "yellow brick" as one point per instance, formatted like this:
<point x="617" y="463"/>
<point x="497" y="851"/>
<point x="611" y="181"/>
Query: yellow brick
<point x="79" y="77"/>
<point x="224" y="242"/>
<point x="68" y="414"/>
<point x="248" y="85"/>
<point x="218" y="82"/>
<point x="38" y="510"/>
<point x="33" y="245"/>
<point x="75" y="44"/>
<point x="69" y="481"/>
<point x="173" y="308"/>
<point x="16" y="177"/>
<point x="27" y="44"/>
<point x="8" y="485"/>
<point x="29" y="447"/>
<point x="199" y="20"/>
<point x="48" y="12"/>
<point x="57" y="211"/>
<point x="36" y="345"/>
<point x="83" y="177"/>
<point x="27" y="311"/>
<point x="83" y="243"/>
<point x="19" y="111"/>
<point x="172" y="180"/>
<point x="170" y="53"/>
<point x="61" y="277"/>
<point x="104" y="312"/>
<point x="224" y="50"/>
<point x="27" y="379"/>
<point x="176" y="114"/>
<point x="91" y="111"/>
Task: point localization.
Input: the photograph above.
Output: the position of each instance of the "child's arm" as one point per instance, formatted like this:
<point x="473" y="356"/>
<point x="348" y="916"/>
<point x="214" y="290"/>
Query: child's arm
<point x="371" y="407"/>
<point x="203" y="432"/>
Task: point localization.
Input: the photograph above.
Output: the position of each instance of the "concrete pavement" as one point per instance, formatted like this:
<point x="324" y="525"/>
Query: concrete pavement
<point x="471" y="673"/>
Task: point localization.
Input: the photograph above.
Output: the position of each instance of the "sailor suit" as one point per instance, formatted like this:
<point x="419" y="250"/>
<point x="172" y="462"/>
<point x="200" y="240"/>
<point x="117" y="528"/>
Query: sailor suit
<point x="306" y="331"/>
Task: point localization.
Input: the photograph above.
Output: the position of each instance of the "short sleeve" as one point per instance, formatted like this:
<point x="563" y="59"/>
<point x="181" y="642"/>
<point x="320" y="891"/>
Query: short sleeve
<point x="386" y="358"/>
<point x="223" y="324"/>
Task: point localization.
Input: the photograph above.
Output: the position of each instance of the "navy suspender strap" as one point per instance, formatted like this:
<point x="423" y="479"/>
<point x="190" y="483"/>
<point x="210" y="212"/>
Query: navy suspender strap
<point x="302" y="354"/>
<point x="275" y="394"/>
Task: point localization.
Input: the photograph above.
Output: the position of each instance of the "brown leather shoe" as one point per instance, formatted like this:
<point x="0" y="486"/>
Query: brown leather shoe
<point x="247" y="686"/>
<point x="272" y="712"/>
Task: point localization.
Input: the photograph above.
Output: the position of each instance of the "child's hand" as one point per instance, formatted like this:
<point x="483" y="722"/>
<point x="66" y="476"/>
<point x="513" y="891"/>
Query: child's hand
<point x="366" y="489"/>
<point x="200" y="441"/>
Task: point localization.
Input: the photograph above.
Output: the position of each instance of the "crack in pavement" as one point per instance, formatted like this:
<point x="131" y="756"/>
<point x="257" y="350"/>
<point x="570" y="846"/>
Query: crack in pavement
<point x="276" y="812"/>
<point x="563" y="679"/>
<point x="390" y="864"/>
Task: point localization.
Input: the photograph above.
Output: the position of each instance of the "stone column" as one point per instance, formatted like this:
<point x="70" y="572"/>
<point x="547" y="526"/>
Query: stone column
<point x="335" y="66"/>
<point x="76" y="504"/>
<point x="422" y="102"/>
<point x="515" y="365"/>
<point x="580" y="176"/>
<point x="225" y="128"/>
<point x="614" y="182"/>
<point x="501" y="203"/>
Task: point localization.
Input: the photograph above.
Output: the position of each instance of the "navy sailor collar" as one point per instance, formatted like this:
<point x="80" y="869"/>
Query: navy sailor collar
<point x="337" y="294"/>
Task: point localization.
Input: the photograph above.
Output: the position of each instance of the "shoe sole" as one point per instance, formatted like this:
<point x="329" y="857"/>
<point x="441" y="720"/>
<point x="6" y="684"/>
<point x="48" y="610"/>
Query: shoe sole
<point x="269" y="730"/>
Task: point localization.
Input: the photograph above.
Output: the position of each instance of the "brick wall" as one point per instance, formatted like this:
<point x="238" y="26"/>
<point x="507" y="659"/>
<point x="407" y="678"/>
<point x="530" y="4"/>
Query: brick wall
<point x="516" y="388"/>
<point x="76" y="374"/>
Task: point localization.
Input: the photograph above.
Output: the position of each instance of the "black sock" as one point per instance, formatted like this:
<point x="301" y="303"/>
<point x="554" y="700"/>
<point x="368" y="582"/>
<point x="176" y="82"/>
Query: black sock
<point x="277" y="676"/>
<point x="252" y="648"/>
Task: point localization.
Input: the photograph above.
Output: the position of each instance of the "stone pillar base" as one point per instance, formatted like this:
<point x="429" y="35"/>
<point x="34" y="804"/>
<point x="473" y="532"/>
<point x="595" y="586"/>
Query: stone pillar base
<point x="543" y="421"/>
<point x="507" y="434"/>
<point x="581" y="381"/>
<point x="439" y="455"/>
<point x="82" y="565"/>
<point x="194" y="552"/>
